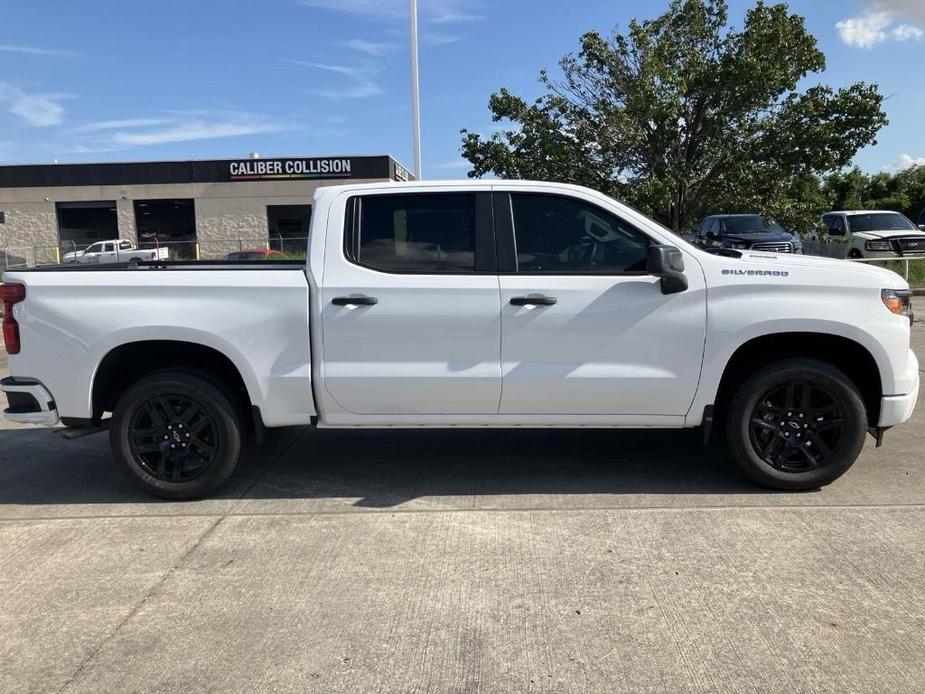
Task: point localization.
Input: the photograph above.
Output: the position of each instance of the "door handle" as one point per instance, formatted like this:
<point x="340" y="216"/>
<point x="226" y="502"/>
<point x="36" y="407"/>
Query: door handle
<point x="533" y="301"/>
<point x="355" y="301"/>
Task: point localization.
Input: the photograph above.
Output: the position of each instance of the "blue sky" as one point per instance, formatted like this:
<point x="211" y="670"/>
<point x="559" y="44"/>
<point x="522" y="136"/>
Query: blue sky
<point x="110" y="80"/>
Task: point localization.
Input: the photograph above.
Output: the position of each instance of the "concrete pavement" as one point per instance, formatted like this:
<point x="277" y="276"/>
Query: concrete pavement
<point x="424" y="561"/>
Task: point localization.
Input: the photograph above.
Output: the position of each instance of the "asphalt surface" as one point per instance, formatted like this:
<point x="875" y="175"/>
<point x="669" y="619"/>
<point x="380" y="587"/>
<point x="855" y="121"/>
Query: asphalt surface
<point x="479" y="561"/>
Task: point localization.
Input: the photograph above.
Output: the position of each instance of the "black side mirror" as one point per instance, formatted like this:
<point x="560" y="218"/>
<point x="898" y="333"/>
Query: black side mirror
<point x="667" y="263"/>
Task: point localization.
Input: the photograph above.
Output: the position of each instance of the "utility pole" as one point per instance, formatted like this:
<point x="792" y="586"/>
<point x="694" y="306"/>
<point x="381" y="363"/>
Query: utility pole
<point x="415" y="93"/>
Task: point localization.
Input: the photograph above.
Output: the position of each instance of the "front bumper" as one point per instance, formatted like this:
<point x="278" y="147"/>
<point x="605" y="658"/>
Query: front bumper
<point x="896" y="409"/>
<point x="30" y="402"/>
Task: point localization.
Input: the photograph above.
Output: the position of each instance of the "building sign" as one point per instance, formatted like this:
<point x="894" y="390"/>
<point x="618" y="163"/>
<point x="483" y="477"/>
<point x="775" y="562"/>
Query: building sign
<point x="378" y="168"/>
<point x="400" y="173"/>
<point x="275" y="169"/>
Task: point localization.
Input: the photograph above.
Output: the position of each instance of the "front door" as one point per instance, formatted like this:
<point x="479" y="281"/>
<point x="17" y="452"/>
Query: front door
<point x="585" y="331"/>
<point x="411" y="313"/>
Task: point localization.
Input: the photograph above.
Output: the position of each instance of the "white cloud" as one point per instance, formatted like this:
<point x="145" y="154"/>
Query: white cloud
<point x="437" y="11"/>
<point x="907" y="161"/>
<point x="876" y="26"/>
<point x="38" y="110"/>
<point x="118" y="134"/>
<point x="866" y="30"/>
<point x="118" y="124"/>
<point x="360" y="84"/>
<point x="32" y="50"/>
<point x="192" y="130"/>
<point x="371" y="47"/>
<point x="907" y="32"/>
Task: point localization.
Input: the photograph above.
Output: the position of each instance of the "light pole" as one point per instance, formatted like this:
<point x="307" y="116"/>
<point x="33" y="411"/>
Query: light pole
<point x="415" y="94"/>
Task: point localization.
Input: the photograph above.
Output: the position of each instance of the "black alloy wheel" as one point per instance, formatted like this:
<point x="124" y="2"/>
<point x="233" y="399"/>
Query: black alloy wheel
<point x="796" y="424"/>
<point x="173" y="438"/>
<point x="795" y="427"/>
<point x="178" y="434"/>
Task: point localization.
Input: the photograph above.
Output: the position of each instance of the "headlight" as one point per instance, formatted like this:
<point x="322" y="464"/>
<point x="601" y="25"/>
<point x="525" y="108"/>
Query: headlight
<point x="898" y="301"/>
<point x="878" y="246"/>
<point x="738" y="245"/>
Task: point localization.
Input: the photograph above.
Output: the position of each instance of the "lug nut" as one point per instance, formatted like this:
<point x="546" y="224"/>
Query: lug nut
<point x="173" y="445"/>
<point x="165" y="437"/>
<point x="169" y="427"/>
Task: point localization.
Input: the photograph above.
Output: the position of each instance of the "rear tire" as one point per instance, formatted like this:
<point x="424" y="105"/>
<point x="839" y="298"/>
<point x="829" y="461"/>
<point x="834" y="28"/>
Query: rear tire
<point x="177" y="434"/>
<point x="796" y="425"/>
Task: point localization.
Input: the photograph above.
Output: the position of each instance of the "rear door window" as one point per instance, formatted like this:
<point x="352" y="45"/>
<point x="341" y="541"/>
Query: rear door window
<point x="416" y="233"/>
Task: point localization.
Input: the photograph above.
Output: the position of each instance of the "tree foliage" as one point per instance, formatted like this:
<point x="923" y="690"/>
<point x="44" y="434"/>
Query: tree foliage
<point x="683" y="115"/>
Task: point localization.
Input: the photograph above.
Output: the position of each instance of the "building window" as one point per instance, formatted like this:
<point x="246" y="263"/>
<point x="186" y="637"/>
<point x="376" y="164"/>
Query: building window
<point x="170" y="223"/>
<point x="83" y="223"/>
<point x="288" y="227"/>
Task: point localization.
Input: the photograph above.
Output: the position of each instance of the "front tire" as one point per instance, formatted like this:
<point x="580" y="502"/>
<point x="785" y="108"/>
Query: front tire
<point x="177" y="435"/>
<point x="854" y="254"/>
<point x="796" y="425"/>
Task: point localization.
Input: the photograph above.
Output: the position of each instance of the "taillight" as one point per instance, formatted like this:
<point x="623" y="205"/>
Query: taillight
<point x="11" y="294"/>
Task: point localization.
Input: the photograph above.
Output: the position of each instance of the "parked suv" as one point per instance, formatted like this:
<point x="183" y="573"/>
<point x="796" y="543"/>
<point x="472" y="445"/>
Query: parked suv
<point x="876" y="233"/>
<point x="746" y="232"/>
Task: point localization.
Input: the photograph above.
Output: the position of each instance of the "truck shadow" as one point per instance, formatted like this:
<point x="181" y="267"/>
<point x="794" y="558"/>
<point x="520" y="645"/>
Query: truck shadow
<point x="385" y="469"/>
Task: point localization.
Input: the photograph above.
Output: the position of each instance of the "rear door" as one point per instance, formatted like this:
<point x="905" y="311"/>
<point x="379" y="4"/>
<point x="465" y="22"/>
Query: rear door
<point x="585" y="330"/>
<point x="411" y="306"/>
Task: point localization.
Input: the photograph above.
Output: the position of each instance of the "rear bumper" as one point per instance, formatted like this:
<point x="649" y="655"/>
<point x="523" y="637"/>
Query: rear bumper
<point x="30" y="402"/>
<point x="896" y="409"/>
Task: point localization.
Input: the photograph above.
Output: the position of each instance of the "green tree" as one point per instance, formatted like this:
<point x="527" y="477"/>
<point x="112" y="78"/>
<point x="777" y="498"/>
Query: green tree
<point x="683" y="115"/>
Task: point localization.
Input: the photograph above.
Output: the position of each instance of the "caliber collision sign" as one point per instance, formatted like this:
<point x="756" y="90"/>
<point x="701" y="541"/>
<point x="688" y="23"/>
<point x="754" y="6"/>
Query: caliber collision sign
<point x="276" y="169"/>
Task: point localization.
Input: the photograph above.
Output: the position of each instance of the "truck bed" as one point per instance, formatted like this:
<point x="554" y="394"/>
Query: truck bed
<point x="173" y="265"/>
<point x="255" y="314"/>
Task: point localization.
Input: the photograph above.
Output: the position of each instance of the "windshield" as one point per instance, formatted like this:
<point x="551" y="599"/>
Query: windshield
<point x="880" y="221"/>
<point x="752" y="224"/>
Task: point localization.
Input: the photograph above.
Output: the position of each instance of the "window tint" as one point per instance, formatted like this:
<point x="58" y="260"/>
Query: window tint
<point x="425" y="233"/>
<point x="560" y="234"/>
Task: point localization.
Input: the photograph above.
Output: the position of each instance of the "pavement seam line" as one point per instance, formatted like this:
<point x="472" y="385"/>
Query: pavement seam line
<point x="525" y="509"/>
<point x="141" y="603"/>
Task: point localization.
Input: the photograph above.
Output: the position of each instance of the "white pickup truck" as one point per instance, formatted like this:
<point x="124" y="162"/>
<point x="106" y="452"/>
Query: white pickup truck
<point x="114" y="251"/>
<point x="466" y="304"/>
<point x="876" y="234"/>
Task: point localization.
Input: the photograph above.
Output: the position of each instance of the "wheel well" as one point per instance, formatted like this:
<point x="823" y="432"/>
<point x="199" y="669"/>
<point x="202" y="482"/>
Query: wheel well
<point x="844" y="354"/>
<point x="128" y="363"/>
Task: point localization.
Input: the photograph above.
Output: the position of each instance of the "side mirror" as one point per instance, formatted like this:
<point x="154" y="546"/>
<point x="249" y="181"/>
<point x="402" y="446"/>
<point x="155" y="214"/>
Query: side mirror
<point x="667" y="263"/>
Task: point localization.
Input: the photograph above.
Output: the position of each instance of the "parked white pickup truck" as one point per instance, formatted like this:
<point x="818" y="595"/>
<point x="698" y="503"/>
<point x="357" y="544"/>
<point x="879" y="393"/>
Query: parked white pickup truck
<point x="114" y="251"/>
<point x="876" y="233"/>
<point x="466" y="304"/>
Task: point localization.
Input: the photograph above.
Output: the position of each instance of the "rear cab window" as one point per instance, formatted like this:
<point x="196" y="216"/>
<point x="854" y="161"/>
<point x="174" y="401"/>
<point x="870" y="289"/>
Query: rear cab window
<point x="418" y="233"/>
